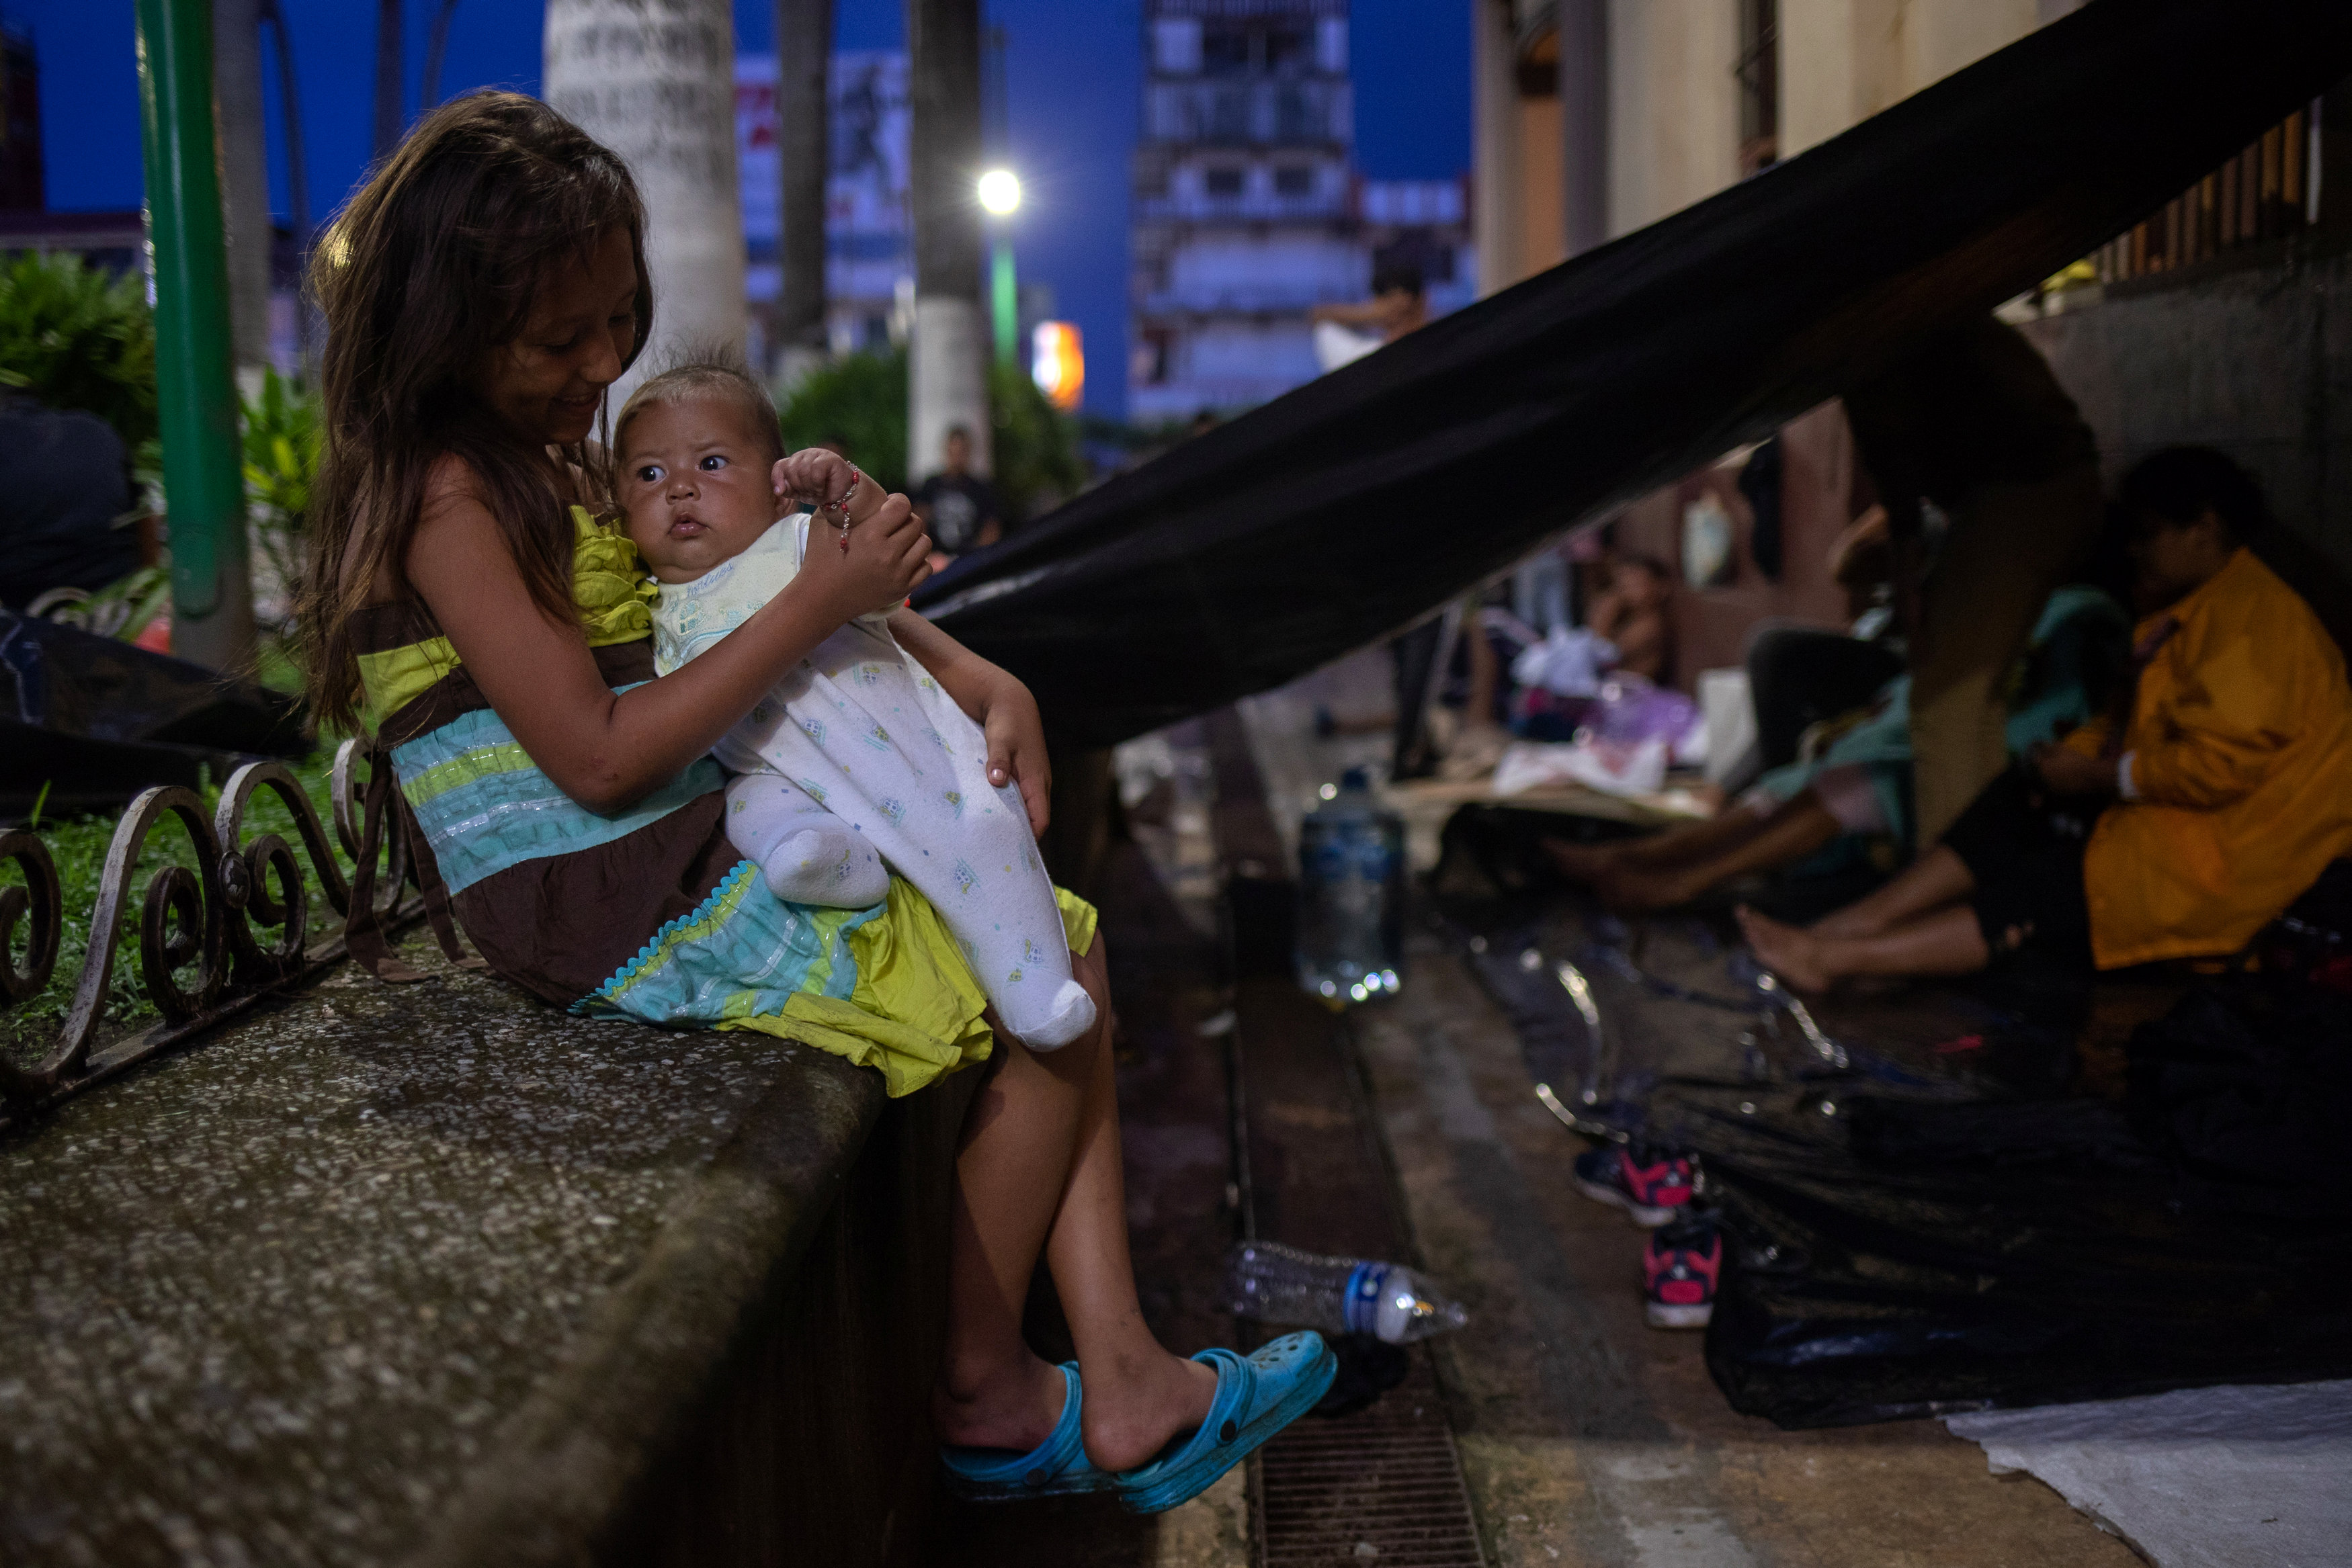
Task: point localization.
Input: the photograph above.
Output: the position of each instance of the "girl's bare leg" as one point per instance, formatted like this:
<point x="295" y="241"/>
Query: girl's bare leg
<point x="1040" y="1157"/>
<point x="1792" y="831"/>
<point x="1946" y="942"/>
<point x="1936" y="879"/>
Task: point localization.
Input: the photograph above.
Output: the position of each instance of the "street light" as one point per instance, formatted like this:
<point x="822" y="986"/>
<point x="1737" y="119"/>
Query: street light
<point x="1000" y="193"/>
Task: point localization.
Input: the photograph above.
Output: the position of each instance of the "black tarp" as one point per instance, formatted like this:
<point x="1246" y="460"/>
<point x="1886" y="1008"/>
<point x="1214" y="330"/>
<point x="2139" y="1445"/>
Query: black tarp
<point x="92" y="721"/>
<point x="1894" y="1255"/>
<point x="1971" y="1212"/>
<point x="1338" y="513"/>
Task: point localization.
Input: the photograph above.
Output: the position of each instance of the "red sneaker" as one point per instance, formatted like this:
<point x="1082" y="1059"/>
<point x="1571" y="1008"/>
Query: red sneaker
<point x="1652" y="1186"/>
<point x="1681" y="1266"/>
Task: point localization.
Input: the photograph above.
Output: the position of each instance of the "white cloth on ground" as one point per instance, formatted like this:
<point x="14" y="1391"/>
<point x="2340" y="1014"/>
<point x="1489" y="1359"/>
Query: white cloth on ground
<point x="2232" y="1477"/>
<point x="863" y="732"/>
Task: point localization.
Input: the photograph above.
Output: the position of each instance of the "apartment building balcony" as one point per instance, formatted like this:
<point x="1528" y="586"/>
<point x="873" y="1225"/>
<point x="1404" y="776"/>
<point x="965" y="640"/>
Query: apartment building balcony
<point x="1297" y="113"/>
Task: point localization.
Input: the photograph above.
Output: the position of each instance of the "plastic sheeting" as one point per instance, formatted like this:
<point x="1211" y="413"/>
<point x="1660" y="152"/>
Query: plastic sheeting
<point x="1918" y="1250"/>
<point x="94" y="721"/>
<point x="2207" y="1478"/>
<point x="1925" y="1213"/>
<point x="1339" y="513"/>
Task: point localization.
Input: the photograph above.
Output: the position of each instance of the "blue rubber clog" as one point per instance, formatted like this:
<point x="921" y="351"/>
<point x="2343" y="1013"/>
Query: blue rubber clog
<point x="1057" y="1467"/>
<point x="1256" y="1399"/>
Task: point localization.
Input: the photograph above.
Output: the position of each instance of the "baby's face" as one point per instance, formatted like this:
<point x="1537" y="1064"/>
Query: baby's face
<point x="695" y="487"/>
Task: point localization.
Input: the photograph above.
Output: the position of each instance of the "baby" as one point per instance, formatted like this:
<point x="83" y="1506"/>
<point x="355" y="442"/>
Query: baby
<point x="857" y="758"/>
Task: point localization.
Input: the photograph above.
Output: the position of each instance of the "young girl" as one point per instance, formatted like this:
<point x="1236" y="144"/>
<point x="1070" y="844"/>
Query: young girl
<point x="482" y="291"/>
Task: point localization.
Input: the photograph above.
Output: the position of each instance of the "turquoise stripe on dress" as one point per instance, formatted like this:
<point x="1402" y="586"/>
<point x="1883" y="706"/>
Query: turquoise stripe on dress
<point x="485" y="807"/>
<point x="741" y="952"/>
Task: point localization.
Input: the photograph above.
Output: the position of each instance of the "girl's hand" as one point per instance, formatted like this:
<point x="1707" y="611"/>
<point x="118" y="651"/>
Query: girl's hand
<point x="1016" y="750"/>
<point x="821" y="478"/>
<point x="888" y="555"/>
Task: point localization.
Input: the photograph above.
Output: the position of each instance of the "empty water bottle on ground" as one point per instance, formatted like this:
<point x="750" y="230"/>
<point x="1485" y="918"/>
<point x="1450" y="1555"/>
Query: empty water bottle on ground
<point x="1351" y="894"/>
<point x="1279" y="1284"/>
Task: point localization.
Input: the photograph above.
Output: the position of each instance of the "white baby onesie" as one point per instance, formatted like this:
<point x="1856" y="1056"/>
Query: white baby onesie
<point x="858" y="750"/>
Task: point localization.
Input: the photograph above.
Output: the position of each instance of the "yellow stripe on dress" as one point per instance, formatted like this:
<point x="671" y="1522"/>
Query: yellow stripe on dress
<point x="609" y="585"/>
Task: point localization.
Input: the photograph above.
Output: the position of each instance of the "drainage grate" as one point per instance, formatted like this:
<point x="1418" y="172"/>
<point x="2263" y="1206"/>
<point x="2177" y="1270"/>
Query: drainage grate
<point x="1380" y="1489"/>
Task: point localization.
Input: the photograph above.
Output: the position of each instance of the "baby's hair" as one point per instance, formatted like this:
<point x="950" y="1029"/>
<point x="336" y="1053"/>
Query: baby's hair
<point x="721" y="376"/>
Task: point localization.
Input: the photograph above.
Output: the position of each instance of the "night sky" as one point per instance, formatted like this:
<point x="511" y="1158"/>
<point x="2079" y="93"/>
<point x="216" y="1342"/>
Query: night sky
<point x="1073" y="69"/>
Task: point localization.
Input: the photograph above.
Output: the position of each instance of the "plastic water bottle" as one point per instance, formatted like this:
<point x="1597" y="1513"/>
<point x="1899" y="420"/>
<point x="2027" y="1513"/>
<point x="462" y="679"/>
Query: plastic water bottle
<point x="1278" y="1284"/>
<point x="1350" y="895"/>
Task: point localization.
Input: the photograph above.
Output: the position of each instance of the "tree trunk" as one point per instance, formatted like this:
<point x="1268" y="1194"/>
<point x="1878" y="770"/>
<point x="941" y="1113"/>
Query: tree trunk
<point x="947" y="384"/>
<point x="804" y="150"/>
<point x="245" y="180"/>
<point x="654" y="81"/>
<point x="388" y="62"/>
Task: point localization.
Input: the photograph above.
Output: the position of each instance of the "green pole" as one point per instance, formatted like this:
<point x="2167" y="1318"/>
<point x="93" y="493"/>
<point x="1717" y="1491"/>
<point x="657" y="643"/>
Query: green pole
<point x="1007" y="299"/>
<point x="196" y="387"/>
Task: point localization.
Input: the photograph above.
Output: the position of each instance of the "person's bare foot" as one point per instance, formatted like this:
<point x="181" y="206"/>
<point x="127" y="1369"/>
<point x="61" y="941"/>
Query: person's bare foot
<point x="1134" y="1407"/>
<point x="1586" y="864"/>
<point x="1015" y="1407"/>
<point x="1789" y="951"/>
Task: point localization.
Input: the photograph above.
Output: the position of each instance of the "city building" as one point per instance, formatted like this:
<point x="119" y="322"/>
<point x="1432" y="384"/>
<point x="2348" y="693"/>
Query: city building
<point x="1247" y="208"/>
<point x="869" y="255"/>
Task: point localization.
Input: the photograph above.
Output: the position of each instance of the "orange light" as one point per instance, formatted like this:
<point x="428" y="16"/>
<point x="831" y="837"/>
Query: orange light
<point x="1057" y="363"/>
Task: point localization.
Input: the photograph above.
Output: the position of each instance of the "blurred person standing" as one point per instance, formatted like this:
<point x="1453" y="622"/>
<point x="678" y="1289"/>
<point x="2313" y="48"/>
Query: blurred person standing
<point x="1346" y="333"/>
<point x="957" y="506"/>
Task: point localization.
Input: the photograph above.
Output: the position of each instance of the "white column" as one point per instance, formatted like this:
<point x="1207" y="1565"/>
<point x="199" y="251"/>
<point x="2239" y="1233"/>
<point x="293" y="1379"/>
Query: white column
<point x="1674" y="107"/>
<point x="1495" y="217"/>
<point x="947" y="381"/>
<point x="654" y="81"/>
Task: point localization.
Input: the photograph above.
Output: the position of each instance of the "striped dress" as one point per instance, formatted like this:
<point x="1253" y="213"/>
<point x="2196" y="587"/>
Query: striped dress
<point x="650" y="913"/>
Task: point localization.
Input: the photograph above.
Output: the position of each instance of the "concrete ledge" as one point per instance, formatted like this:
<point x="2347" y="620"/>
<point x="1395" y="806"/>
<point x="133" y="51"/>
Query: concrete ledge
<point x="432" y="1275"/>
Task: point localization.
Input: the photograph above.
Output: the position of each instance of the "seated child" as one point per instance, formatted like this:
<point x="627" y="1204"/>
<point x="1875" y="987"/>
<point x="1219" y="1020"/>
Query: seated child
<point x="2221" y="792"/>
<point x="857" y="759"/>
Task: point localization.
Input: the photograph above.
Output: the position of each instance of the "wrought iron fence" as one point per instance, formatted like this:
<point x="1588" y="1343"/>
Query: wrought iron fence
<point x="239" y="917"/>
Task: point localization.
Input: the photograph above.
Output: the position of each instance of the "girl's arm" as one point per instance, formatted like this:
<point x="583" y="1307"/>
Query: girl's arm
<point x="608" y="750"/>
<point x="996" y="701"/>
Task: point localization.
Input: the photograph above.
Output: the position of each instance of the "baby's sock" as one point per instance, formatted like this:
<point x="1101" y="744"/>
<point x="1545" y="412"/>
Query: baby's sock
<point x="807" y="854"/>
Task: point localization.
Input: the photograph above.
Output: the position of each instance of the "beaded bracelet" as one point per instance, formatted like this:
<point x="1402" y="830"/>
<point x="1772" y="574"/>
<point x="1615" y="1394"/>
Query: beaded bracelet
<point x="841" y="506"/>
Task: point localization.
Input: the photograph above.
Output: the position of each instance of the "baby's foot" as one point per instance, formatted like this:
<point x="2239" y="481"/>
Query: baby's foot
<point x="835" y="867"/>
<point x="1066" y="1017"/>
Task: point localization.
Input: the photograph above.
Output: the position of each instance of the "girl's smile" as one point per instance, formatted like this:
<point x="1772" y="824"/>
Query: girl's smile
<point x="548" y="382"/>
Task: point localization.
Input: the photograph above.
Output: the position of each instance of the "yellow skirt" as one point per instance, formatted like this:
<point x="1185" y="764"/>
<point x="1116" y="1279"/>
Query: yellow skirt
<point x="915" y="1014"/>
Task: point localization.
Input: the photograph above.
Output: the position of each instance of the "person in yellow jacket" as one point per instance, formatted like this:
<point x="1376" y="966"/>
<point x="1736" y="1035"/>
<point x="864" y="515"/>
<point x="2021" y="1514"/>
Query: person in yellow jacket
<point x="2177" y="829"/>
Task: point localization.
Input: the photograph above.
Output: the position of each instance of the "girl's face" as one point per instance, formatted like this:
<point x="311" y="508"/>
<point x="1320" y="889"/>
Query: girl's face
<point x="548" y="382"/>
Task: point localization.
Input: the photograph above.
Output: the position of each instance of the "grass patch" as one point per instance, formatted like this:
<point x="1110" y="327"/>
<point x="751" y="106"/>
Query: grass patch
<point x="78" y="845"/>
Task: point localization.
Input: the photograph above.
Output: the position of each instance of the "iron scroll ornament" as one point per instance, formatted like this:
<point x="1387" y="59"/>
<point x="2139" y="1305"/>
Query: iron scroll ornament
<point x="239" y="917"/>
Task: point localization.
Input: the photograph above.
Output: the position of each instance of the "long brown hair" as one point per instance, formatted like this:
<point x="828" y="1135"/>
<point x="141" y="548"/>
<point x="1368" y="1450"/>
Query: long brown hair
<point x="432" y="266"/>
